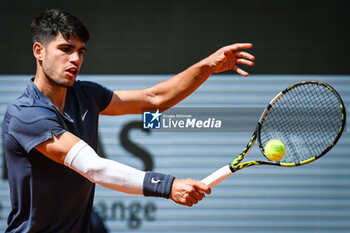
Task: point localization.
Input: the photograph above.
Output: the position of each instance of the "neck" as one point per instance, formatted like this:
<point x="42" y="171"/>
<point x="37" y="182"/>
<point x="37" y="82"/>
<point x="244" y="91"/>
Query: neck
<point x="55" y="93"/>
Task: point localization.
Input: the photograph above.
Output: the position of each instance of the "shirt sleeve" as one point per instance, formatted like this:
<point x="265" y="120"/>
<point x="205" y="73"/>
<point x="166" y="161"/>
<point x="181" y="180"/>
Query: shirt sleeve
<point x="33" y="126"/>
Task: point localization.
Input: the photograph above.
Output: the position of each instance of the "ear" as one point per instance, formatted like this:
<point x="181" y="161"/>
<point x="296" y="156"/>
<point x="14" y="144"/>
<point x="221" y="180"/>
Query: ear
<point x="38" y="51"/>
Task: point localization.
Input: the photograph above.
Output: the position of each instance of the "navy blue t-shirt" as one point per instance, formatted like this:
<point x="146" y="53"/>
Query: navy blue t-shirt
<point x="47" y="196"/>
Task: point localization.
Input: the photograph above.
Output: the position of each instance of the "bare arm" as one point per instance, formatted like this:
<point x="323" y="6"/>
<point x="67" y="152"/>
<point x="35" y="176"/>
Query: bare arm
<point x="57" y="148"/>
<point x="170" y="92"/>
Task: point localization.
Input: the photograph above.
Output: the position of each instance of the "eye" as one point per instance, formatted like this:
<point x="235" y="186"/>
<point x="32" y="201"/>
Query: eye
<point x="66" y="49"/>
<point x="81" y="51"/>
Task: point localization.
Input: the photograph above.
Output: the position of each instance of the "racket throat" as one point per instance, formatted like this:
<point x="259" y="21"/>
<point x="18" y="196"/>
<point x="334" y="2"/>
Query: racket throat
<point x="240" y="166"/>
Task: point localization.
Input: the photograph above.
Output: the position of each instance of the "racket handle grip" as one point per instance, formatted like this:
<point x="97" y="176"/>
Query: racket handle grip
<point x="217" y="176"/>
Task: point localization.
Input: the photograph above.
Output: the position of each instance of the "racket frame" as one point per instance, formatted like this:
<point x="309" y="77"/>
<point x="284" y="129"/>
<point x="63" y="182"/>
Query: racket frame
<point x="224" y="172"/>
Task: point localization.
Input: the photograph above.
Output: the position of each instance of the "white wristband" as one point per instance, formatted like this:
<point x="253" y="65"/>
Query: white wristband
<point x="111" y="174"/>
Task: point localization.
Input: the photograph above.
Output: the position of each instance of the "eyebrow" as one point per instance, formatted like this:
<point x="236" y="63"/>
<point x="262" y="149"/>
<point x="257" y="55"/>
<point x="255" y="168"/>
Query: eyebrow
<point x="71" y="46"/>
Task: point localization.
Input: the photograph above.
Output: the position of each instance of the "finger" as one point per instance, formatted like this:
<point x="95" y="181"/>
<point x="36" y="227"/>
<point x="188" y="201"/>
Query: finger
<point x="192" y="200"/>
<point x="189" y="204"/>
<point x="239" y="46"/>
<point x="198" y="195"/>
<point x="185" y="202"/>
<point x="244" y="62"/>
<point x="201" y="187"/>
<point x="246" y="55"/>
<point x="240" y="71"/>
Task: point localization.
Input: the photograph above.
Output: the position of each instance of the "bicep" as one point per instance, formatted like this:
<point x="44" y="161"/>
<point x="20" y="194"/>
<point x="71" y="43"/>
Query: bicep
<point x="129" y="102"/>
<point x="58" y="147"/>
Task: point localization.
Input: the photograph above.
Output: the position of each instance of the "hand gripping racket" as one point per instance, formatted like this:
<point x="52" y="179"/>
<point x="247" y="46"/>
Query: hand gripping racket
<point x="308" y="118"/>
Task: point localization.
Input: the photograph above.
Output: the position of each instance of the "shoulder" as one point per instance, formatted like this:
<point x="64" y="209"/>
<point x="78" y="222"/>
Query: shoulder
<point x="30" y="126"/>
<point x="92" y="92"/>
<point x="22" y="117"/>
<point x="30" y="121"/>
<point x="30" y="106"/>
<point x="89" y="88"/>
<point x="29" y="114"/>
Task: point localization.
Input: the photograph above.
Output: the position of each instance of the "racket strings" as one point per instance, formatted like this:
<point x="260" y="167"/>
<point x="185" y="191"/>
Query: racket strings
<point x="306" y="119"/>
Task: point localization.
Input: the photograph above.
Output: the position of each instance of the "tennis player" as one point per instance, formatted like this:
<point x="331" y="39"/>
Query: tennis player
<point x="50" y="131"/>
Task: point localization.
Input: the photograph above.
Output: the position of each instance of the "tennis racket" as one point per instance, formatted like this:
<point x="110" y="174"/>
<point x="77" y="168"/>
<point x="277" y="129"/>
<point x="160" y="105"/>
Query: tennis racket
<point x="308" y="118"/>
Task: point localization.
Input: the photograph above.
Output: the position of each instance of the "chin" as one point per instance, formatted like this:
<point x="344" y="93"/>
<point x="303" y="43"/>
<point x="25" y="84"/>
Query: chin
<point x="68" y="81"/>
<point x="65" y="83"/>
<point x="69" y="84"/>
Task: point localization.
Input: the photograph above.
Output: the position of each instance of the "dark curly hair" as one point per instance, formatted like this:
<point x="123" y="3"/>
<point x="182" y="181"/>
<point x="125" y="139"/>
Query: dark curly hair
<point x="45" y="27"/>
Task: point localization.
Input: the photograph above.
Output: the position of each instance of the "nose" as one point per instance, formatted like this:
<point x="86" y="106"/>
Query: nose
<point x="76" y="58"/>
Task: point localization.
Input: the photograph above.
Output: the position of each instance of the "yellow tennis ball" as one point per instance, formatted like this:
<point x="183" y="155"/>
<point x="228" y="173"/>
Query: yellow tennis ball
<point x="274" y="150"/>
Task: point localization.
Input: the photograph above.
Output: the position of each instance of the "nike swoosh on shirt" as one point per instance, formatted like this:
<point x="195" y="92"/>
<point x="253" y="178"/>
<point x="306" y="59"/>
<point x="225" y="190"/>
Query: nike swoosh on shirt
<point x="83" y="116"/>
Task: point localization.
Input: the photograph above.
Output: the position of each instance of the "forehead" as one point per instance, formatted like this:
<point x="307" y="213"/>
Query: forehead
<point x="73" y="40"/>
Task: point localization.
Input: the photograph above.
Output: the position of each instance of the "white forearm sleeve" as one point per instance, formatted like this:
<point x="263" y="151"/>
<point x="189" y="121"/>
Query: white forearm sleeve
<point x="84" y="160"/>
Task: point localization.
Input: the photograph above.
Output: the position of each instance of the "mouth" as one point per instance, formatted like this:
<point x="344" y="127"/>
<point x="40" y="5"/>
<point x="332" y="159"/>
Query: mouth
<point x="73" y="71"/>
